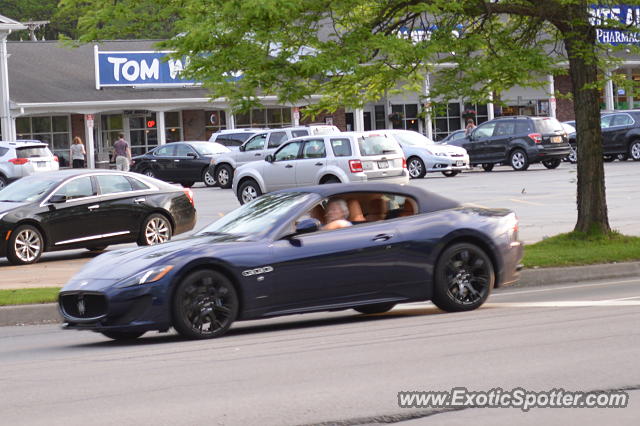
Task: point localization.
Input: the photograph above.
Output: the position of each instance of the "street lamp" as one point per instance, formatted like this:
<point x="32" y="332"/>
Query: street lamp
<point x="6" y="27"/>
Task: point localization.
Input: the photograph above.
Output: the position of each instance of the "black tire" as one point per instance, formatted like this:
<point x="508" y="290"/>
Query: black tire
<point x="204" y="305"/>
<point x="97" y="248"/>
<point x="208" y="178"/>
<point x="622" y="157"/>
<point x="518" y="160"/>
<point x="378" y="308"/>
<point x="552" y="164"/>
<point x="3" y="182"/>
<point x="608" y="158"/>
<point x="487" y="167"/>
<point x="25" y="245"/>
<point x="224" y="176"/>
<point x="122" y="335"/>
<point x="156" y="229"/>
<point x="451" y="173"/>
<point x="416" y="168"/>
<point x="463" y="279"/>
<point x="149" y="173"/>
<point x="188" y="184"/>
<point x="634" y="150"/>
<point x="248" y="191"/>
<point x="330" y="179"/>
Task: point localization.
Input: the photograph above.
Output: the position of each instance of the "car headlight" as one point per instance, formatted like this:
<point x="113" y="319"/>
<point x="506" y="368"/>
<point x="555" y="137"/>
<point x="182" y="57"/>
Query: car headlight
<point x="441" y="154"/>
<point x="145" y="277"/>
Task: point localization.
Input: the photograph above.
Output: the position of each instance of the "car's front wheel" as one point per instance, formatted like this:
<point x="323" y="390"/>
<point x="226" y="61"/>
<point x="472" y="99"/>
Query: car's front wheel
<point x="122" y="335"/>
<point x="552" y="164"/>
<point x="634" y="150"/>
<point x="155" y="230"/>
<point x="487" y="167"/>
<point x="204" y="305"/>
<point x="208" y="178"/>
<point x="377" y="308"/>
<point x="248" y="191"/>
<point x="416" y="168"/>
<point x="149" y="173"/>
<point x="25" y="245"/>
<point x="224" y="176"/>
<point x="518" y="160"/>
<point x="464" y="277"/>
<point x="451" y="173"/>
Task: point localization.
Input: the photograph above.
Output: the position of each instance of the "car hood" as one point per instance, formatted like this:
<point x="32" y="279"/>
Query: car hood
<point x="6" y="207"/>
<point x="114" y="266"/>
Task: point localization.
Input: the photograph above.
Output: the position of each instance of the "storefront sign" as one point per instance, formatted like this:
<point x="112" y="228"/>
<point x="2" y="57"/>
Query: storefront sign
<point x="626" y="15"/>
<point x="138" y="69"/>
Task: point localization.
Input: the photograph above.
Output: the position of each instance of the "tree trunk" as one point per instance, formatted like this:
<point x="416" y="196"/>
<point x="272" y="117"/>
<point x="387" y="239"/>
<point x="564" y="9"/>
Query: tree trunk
<point x="591" y="199"/>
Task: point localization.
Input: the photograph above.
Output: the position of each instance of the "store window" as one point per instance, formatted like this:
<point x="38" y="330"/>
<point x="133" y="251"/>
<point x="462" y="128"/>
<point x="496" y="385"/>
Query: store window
<point x="173" y="126"/>
<point x="405" y="116"/>
<point x="143" y="131"/>
<point x="111" y="126"/>
<point x="53" y="130"/>
<point x="215" y="120"/>
<point x="269" y="117"/>
<point x="446" y="119"/>
<point x="380" y="122"/>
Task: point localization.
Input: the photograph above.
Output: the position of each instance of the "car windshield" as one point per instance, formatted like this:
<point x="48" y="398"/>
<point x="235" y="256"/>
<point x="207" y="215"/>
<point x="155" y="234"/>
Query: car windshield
<point x="412" y="139"/>
<point x="27" y="189"/>
<point x="208" y="148"/>
<point x="33" y="152"/>
<point x="258" y="216"/>
<point x="376" y="145"/>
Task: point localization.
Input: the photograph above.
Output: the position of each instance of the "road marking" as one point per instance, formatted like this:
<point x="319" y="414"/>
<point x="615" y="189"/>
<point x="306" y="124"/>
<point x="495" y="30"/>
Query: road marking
<point x="605" y="284"/>
<point x="515" y="200"/>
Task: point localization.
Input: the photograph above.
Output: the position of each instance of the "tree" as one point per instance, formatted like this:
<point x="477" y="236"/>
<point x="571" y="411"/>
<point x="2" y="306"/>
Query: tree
<point x="355" y="51"/>
<point x="37" y="10"/>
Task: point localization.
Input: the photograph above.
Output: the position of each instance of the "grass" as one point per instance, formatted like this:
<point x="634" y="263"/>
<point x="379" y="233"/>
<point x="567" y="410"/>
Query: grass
<point x="576" y="248"/>
<point x="28" y="296"/>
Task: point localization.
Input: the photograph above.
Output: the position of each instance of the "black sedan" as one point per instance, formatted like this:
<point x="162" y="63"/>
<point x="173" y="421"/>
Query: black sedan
<point x="180" y="162"/>
<point x="330" y="247"/>
<point x="92" y="209"/>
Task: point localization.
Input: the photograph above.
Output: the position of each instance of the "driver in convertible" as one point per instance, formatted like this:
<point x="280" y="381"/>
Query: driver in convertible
<point x="336" y="214"/>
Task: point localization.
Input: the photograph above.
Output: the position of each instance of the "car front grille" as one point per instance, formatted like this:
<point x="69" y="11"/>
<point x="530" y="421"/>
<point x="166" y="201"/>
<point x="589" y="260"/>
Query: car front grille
<point x="83" y="305"/>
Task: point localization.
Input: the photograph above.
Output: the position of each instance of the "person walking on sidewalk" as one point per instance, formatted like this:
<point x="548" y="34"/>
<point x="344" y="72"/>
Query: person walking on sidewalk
<point x="122" y="152"/>
<point x="77" y="153"/>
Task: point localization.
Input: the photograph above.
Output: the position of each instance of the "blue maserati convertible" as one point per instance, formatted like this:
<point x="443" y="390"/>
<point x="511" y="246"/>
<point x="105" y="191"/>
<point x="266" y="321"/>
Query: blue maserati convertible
<point x="361" y="246"/>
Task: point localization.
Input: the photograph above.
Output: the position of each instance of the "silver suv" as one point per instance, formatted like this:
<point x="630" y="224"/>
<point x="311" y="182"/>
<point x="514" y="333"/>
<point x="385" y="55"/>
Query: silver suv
<point x="233" y="138"/>
<point x="23" y="158"/>
<point x="313" y="160"/>
<point x="257" y="148"/>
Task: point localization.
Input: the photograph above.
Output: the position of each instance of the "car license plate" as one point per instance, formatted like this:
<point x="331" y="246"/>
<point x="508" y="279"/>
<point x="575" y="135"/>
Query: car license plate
<point x="383" y="164"/>
<point x="41" y="163"/>
<point x="556" y="139"/>
<point x="459" y="163"/>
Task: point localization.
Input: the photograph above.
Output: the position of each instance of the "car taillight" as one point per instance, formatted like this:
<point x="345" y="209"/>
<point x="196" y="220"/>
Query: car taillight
<point x="189" y="194"/>
<point x="355" y="166"/>
<point x="404" y="163"/>
<point x="537" y="137"/>
<point x="56" y="159"/>
<point x="19" y="161"/>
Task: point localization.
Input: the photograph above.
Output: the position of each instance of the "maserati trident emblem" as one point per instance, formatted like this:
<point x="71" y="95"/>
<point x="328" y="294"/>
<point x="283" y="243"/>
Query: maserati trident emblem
<point x="81" y="308"/>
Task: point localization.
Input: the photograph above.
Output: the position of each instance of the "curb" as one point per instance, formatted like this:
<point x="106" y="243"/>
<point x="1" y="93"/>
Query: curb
<point x="47" y="313"/>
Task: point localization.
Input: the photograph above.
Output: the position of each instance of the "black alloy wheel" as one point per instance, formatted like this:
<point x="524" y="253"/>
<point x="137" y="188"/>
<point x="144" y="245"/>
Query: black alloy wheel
<point x="378" y="308"/>
<point x="25" y="245"/>
<point x="451" y="173"/>
<point x="155" y="230"/>
<point x="464" y="278"/>
<point x="204" y="305"/>
<point x="634" y="150"/>
<point x="122" y="335"/>
<point x="487" y="167"/>
<point x="208" y="178"/>
<point x="149" y="173"/>
<point x="416" y="168"/>
<point x="224" y="176"/>
<point x="249" y="190"/>
<point x="519" y="160"/>
<point x="552" y="164"/>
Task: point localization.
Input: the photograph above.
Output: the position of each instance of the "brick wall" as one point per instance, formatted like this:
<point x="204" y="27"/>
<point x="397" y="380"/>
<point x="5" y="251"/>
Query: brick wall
<point x="564" y="107"/>
<point x="339" y="119"/>
<point x="193" y="122"/>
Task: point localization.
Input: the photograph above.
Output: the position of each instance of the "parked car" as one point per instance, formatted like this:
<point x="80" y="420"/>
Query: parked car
<point x="313" y="160"/>
<point x="24" y="158"/>
<point x="180" y="162"/>
<point x="620" y="136"/>
<point x="272" y="257"/>
<point x="517" y="141"/>
<point x="223" y="166"/>
<point x="458" y="134"/>
<point x="424" y="156"/>
<point x="233" y="138"/>
<point x="79" y="208"/>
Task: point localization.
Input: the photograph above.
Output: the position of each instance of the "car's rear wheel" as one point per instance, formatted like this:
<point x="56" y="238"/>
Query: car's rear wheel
<point x="25" y="245"/>
<point x="156" y="230"/>
<point x="224" y="176"/>
<point x="97" y="248"/>
<point x="415" y="167"/>
<point x="149" y="173"/>
<point x="464" y="277"/>
<point x="122" y="335"/>
<point x="518" y="160"/>
<point x="487" y="167"/>
<point x="208" y="178"/>
<point x="205" y="305"/>
<point x="249" y="190"/>
<point x="451" y="173"/>
<point x="634" y="150"/>
<point x="552" y="164"/>
<point x="3" y="182"/>
<point x="608" y="158"/>
<point x="377" y="308"/>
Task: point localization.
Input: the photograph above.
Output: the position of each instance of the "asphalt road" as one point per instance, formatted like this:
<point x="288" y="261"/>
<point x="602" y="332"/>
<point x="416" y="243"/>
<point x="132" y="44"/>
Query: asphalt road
<point x="337" y="367"/>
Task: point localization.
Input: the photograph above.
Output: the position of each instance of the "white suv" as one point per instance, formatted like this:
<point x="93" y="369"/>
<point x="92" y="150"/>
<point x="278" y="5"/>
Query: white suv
<point x="313" y="160"/>
<point x="257" y="148"/>
<point x="24" y="158"/>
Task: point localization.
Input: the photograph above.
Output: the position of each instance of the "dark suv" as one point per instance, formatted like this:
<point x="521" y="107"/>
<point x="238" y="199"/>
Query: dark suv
<point x="620" y="136"/>
<point x="517" y="141"/>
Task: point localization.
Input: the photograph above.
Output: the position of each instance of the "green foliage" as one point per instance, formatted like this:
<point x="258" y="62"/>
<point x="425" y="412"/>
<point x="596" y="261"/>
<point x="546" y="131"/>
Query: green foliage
<point x="28" y="296"/>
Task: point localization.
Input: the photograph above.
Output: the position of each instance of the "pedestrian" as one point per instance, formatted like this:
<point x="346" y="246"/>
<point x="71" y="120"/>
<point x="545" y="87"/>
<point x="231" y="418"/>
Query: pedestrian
<point x="470" y="126"/>
<point x="123" y="153"/>
<point x="78" y="153"/>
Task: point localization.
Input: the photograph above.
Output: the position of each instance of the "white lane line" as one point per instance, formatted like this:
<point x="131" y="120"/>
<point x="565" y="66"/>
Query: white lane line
<point x="544" y="290"/>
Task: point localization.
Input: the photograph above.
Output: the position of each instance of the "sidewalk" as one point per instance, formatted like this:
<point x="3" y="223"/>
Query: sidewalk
<point x="47" y="273"/>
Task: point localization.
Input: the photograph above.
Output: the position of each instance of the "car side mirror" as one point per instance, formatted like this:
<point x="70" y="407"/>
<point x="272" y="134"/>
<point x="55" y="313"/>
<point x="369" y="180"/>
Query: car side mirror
<point x="192" y="155"/>
<point x="241" y="148"/>
<point x="57" y="199"/>
<point x="307" y="226"/>
<point x="269" y="158"/>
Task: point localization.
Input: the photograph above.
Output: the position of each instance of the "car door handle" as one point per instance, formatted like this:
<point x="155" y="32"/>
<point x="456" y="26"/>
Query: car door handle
<point x="176" y="161"/>
<point x="258" y="155"/>
<point x="319" y="164"/>
<point x="139" y="200"/>
<point x="382" y="237"/>
<point x="94" y="207"/>
<point x="154" y="161"/>
<point x="288" y="166"/>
